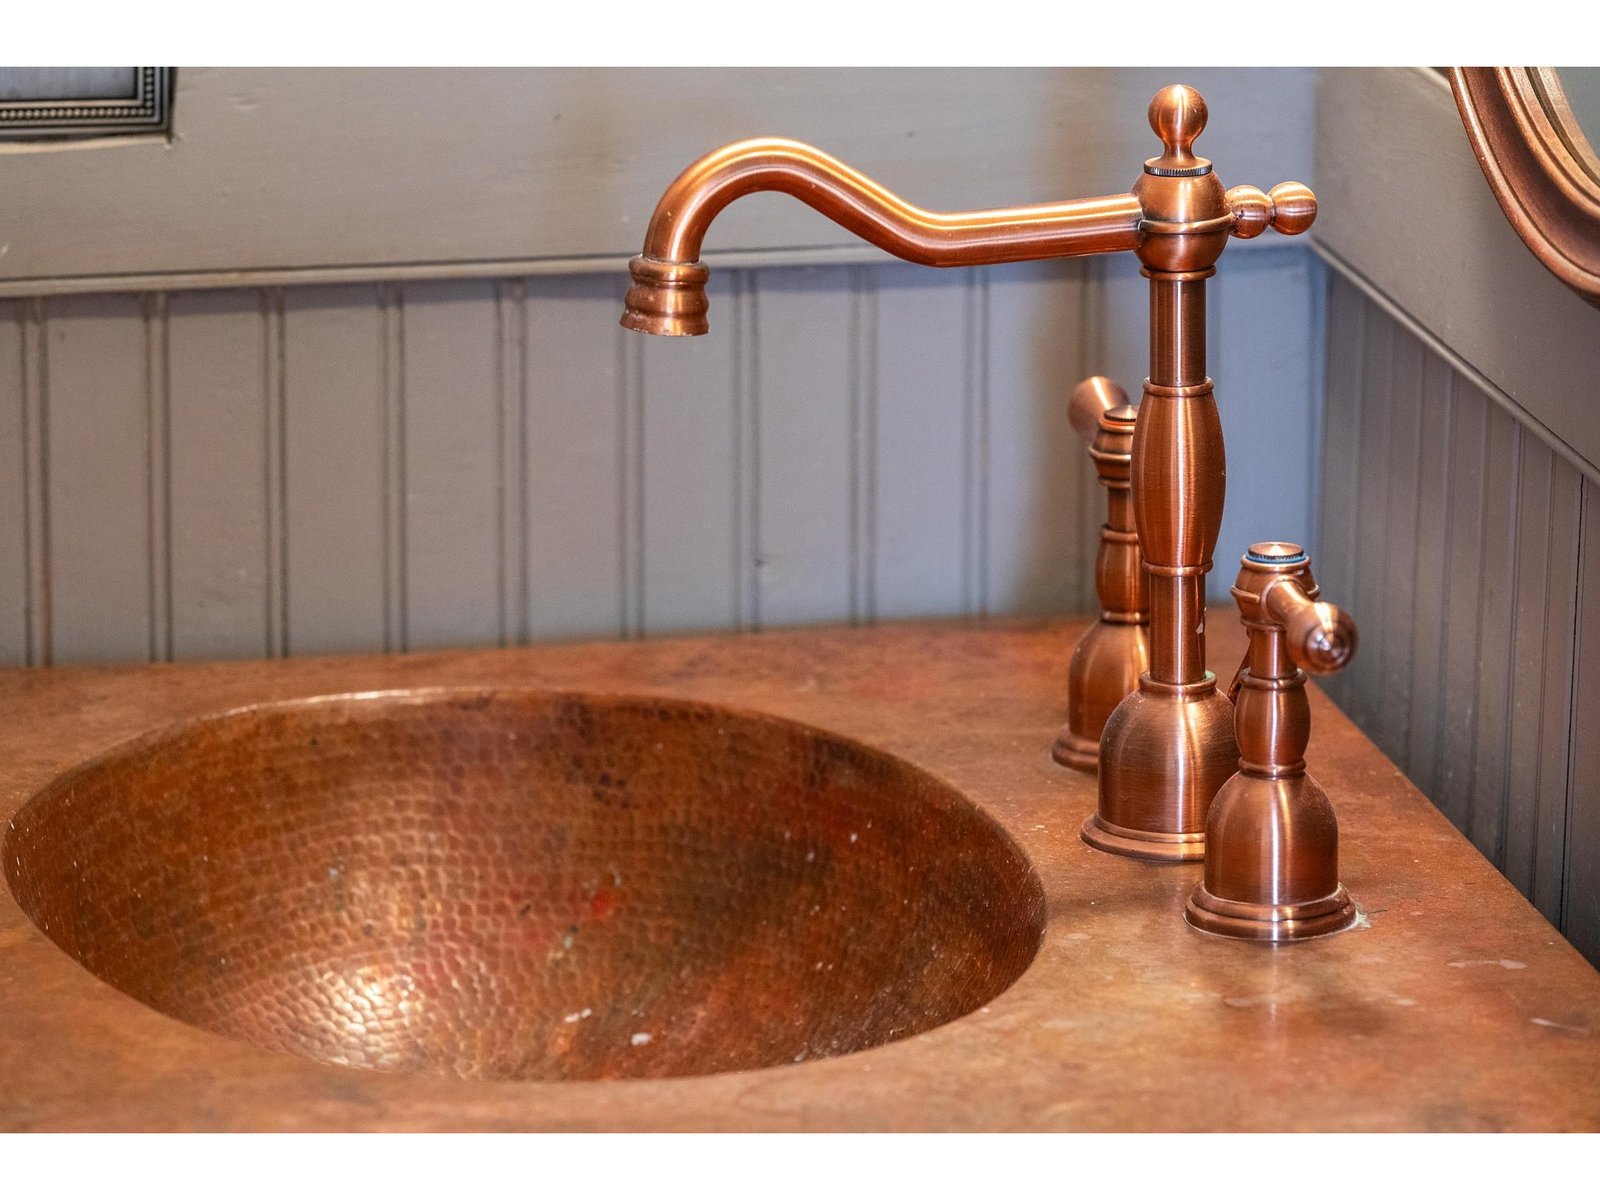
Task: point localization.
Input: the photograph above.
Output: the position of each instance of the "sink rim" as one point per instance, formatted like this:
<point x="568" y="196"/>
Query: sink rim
<point x="171" y="729"/>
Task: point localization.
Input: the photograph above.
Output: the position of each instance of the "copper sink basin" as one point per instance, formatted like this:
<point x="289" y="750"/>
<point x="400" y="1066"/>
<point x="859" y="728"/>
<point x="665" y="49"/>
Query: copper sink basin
<point x="526" y="885"/>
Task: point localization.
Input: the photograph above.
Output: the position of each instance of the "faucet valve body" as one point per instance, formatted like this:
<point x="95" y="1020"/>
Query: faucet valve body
<point x="1115" y="650"/>
<point x="1272" y="858"/>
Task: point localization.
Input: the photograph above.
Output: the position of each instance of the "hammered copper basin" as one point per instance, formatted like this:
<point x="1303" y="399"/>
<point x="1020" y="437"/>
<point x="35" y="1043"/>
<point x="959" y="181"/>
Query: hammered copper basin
<point x="521" y="885"/>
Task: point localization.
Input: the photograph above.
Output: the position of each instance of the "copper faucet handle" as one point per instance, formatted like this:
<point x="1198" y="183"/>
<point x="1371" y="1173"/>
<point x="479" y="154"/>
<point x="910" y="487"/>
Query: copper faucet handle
<point x="1090" y="400"/>
<point x="1276" y="588"/>
<point x="1290" y="208"/>
<point x="1321" y="638"/>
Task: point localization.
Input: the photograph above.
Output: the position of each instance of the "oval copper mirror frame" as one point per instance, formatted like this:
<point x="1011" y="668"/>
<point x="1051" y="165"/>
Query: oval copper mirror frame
<point x="1539" y="165"/>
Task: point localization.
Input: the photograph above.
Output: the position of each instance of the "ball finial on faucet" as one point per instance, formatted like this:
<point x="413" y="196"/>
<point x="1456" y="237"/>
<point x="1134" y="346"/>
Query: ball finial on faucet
<point x="1178" y="116"/>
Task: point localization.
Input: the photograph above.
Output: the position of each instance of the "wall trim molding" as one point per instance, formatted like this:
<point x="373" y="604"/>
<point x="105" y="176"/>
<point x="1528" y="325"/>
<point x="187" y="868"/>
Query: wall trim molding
<point x="1457" y="363"/>
<point x="406" y="272"/>
<point x="844" y="254"/>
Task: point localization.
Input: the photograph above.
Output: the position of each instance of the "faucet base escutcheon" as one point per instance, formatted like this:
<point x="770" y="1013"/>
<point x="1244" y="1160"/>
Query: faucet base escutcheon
<point x="1166" y="750"/>
<point x="1270" y="922"/>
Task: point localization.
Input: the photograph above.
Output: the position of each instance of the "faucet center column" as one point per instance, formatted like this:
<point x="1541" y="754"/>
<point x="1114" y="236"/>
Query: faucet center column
<point x="1178" y="474"/>
<point x="1169" y="746"/>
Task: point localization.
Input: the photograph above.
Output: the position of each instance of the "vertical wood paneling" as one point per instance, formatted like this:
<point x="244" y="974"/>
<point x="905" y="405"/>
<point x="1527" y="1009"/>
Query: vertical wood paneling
<point x="1496" y="608"/>
<point x="275" y="460"/>
<point x="1559" y="729"/>
<point x="511" y="466"/>
<point x="1429" y="555"/>
<point x="690" y="407"/>
<point x="392" y="460"/>
<point x="1467" y="438"/>
<point x="630" y="485"/>
<point x="975" y="451"/>
<point x="158" y="482"/>
<point x="747" y="454"/>
<point x="218" y="348"/>
<point x="336" y="493"/>
<point x="452" y="468"/>
<point x="1474" y="673"/>
<point x="805" y="393"/>
<point x="864" y="461"/>
<point x="342" y="468"/>
<point x="1366" y="596"/>
<point x="99" y="486"/>
<point x="1339" y="536"/>
<point x="921" y="425"/>
<point x="1581" y="897"/>
<point x="1530" y="636"/>
<point x="14" y="470"/>
<point x="574" y="458"/>
<point x="36" y="481"/>
<point x="1396" y="550"/>
<point x="1039" y="531"/>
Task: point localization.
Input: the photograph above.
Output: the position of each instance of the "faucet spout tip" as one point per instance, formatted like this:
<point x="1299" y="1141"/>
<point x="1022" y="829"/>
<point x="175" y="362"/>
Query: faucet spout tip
<point x="667" y="298"/>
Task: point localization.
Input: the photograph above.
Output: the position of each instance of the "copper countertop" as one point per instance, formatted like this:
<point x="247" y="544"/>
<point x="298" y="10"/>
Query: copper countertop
<point x="1455" y="1006"/>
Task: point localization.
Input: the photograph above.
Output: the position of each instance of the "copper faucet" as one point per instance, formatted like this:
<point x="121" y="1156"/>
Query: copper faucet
<point x="1114" y="651"/>
<point x="1272" y="853"/>
<point x="1169" y="746"/>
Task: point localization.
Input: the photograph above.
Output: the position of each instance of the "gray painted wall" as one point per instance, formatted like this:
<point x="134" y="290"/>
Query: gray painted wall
<point x="1406" y="210"/>
<point x="404" y="173"/>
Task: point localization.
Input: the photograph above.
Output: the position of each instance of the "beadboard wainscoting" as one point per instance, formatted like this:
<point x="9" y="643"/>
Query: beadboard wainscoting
<point x="308" y="470"/>
<point x="1469" y="549"/>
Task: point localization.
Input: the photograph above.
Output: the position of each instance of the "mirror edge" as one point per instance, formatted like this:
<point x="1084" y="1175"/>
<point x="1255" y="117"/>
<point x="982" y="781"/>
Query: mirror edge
<point x="1536" y="170"/>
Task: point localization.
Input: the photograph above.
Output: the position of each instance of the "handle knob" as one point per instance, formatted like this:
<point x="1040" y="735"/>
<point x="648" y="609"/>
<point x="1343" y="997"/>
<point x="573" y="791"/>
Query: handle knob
<point x="1094" y="396"/>
<point x="1290" y="208"/>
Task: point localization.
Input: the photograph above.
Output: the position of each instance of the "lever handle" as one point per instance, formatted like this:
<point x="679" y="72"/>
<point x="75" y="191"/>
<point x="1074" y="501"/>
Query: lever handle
<point x="1290" y="208"/>
<point x="1321" y="637"/>
<point x="1094" y="396"/>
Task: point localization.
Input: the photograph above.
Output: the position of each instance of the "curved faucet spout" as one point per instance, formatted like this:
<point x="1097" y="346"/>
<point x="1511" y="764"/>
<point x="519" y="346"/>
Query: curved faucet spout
<point x="668" y="292"/>
<point x="871" y="211"/>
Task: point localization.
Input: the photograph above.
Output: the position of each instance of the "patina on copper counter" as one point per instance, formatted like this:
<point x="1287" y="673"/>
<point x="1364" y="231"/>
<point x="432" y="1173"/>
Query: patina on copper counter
<point x="1452" y="1006"/>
